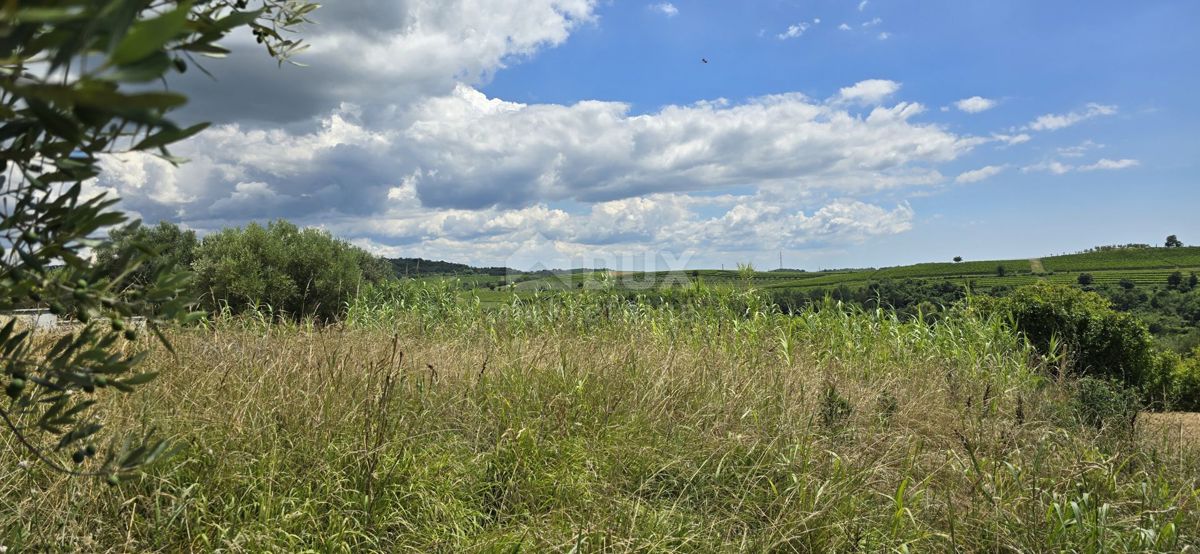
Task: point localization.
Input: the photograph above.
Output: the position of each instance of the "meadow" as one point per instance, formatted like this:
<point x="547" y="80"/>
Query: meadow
<point x="428" y="422"/>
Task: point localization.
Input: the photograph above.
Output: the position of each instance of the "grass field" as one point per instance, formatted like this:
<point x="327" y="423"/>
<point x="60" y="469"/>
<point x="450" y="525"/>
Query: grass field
<point x="585" y="423"/>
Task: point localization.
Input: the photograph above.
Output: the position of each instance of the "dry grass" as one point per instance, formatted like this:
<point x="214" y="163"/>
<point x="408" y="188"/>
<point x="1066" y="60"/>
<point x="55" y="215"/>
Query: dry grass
<point x="659" y="432"/>
<point x="1176" y="429"/>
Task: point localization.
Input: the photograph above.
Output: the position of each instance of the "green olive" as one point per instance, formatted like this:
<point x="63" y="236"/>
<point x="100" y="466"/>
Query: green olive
<point x="15" y="387"/>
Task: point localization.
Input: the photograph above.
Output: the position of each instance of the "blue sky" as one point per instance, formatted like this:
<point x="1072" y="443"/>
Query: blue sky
<point x="574" y="132"/>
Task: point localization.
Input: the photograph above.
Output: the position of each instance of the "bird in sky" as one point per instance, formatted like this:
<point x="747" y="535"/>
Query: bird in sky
<point x="705" y="60"/>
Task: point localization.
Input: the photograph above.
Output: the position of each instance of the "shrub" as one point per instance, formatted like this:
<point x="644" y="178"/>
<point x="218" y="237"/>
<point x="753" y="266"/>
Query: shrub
<point x="1106" y="404"/>
<point x="301" y="272"/>
<point x="1176" y="382"/>
<point x="835" y="408"/>
<point x="1100" y="341"/>
<point x="1086" y="279"/>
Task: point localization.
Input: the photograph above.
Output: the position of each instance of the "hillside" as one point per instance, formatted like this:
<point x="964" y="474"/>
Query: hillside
<point x="1144" y="266"/>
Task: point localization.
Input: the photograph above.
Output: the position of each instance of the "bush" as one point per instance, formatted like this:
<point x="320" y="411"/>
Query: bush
<point x="1176" y="382"/>
<point x="835" y="408"/>
<point x="1106" y="404"/>
<point x="299" y="272"/>
<point x="1100" y="341"/>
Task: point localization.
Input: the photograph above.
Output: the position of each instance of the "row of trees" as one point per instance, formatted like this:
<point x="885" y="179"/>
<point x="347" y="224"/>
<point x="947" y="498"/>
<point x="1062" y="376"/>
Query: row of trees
<point x="293" y="271"/>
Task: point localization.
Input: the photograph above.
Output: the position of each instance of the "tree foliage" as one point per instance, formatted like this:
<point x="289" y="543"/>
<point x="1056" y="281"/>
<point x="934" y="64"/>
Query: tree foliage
<point x="166" y="246"/>
<point x="293" y="271"/>
<point x="76" y="83"/>
<point x="1174" y="242"/>
<point x="1098" y="340"/>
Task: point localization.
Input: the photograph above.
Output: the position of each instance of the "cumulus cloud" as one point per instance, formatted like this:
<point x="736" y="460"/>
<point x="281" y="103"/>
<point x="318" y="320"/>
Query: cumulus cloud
<point x="884" y="35"/>
<point x="862" y="5"/>
<point x="977" y="175"/>
<point x="843" y="27"/>
<point x="386" y="139"/>
<point x="975" y="104"/>
<point x="463" y="167"/>
<point x="871" y="91"/>
<point x="379" y="54"/>
<point x="666" y="8"/>
<point x="466" y="150"/>
<point x="1054" y="122"/>
<point x="610" y="232"/>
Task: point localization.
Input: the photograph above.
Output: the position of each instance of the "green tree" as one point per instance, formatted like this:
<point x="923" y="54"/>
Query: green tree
<point x="958" y="259"/>
<point x="1001" y="271"/>
<point x="1174" y="242"/>
<point x="167" y="247"/>
<point x="293" y="271"/>
<point x="77" y="82"/>
<point x="1175" y="280"/>
<point x="1086" y="279"/>
<point x="1098" y="340"/>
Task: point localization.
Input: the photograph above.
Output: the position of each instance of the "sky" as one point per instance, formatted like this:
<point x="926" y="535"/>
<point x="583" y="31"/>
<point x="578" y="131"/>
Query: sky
<point x="589" y="133"/>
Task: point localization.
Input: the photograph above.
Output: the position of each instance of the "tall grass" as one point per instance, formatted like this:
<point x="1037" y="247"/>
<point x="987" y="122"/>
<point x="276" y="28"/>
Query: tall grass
<point x="698" y="420"/>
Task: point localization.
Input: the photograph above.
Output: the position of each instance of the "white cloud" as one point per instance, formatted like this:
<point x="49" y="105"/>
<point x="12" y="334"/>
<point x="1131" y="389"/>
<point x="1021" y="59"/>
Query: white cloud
<point x="402" y="50"/>
<point x="1104" y="164"/>
<point x="1107" y="164"/>
<point x="397" y="149"/>
<point x="843" y="27"/>
<point x="816" y="21"/>
<point x="872" y="22"/>
<point x="871" y="91"/>
<point x="1079" y="150"/>
<point x="862" y="5"/>
<point x="975" y="104"/>
<point x="884" y="35"/>
<point x="470" y="151"/>
<point x="1054" y="166"/>
<point x="1012" y="139"/>
<point x="793" y="31"/>
<point x="976" y="175"/>
<point x="1053" y="122"/>
<point x="666" y="8"/>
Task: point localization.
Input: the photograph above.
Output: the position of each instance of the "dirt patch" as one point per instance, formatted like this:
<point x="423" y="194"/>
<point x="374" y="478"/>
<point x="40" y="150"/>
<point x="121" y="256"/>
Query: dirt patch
<point x="1035" y="266"/>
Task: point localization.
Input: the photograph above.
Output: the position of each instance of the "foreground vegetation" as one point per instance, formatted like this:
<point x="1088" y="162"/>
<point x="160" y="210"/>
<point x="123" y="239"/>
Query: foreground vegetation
<point x="586" y="422"/>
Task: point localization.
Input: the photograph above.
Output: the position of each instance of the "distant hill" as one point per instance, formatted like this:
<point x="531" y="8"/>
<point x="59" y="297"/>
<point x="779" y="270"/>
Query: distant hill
<point x="1139" y="264"/>
<point x="418" y="267"/>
